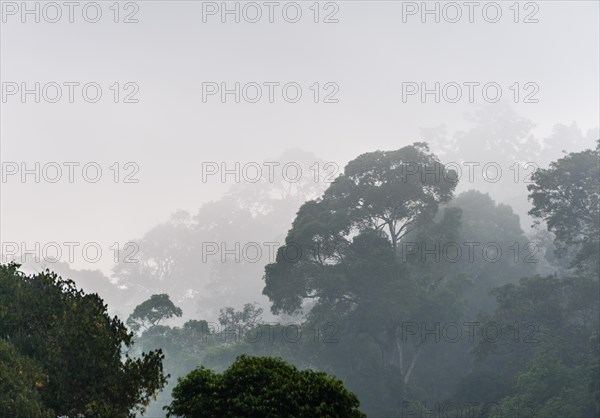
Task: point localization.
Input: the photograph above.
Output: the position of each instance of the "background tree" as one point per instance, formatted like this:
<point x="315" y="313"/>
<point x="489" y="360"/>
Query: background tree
<point x="566" y="196"/>
<point x="487" y="223"/>
<point x="240" y="321"/>
<point x="545" y="362"/>
<point x="169" y="257"/>
<point x="184" y="349"/>
<point x="256" y="387"/>
<point x="545" y="357"/>
<point x="149" y="313"/>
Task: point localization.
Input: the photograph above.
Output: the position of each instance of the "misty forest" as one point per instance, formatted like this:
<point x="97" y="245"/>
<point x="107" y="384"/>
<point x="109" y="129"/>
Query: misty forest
<point x="405" y="285"/>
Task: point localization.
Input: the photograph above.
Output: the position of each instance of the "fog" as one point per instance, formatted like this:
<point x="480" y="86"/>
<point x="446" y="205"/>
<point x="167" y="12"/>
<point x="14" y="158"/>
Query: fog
<point x="370" y="177"/>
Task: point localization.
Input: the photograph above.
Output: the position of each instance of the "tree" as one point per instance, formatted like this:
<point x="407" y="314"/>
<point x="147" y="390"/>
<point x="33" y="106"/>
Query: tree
<point x="77" y="344"/>
<point x="238" y="322"/>
<point x="20" y="379"/>
<point x="170" y="258"/>
<point x="546" y="349"/>
<point x="379" y="191"/>
<point x="256" y="387"/>
<point x="184" y="348"/>
<point x="542" y="360"/>
<point x="473" y="218"/>
<point x="343" y="253"/>
<point x="149" y="313"/>
<point x="485" y="223"/>
<point x="391" y="190"/>
<point x="566" y="196"/>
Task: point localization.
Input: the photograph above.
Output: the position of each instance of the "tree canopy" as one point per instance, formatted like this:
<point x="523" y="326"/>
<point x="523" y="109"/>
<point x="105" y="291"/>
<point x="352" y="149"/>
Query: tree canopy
<point x="256" y="387"/>
<point x="567" y="197"/>
<point x="151" y="312"/>
<point x="70" y="337"/>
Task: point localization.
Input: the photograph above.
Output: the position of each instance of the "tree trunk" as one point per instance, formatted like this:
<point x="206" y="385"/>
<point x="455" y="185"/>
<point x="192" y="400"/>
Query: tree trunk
<point x="413" y="362"/>
<point x="392" y="353"/>
<point x="390" y="349"/>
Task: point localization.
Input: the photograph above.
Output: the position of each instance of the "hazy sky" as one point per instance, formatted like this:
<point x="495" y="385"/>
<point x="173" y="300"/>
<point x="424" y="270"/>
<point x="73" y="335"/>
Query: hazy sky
<point x="170" y="52"/>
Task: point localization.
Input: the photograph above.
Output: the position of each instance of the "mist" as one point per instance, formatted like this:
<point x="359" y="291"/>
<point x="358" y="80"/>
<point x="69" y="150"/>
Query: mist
<point x="382" y="209"/>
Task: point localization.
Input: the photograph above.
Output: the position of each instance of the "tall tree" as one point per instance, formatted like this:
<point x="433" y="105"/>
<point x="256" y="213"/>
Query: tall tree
<point x="343" y="251"/>
<point x="566" y="196"/>
<point x="149" y="313"/>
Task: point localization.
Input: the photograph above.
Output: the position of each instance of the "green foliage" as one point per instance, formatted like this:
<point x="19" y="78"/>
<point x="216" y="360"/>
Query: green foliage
<point x="77" y="345"/>
<point x="343" y="264"/>
<point x="149" y="313"/>
<point x="256" y="387"/>
<point x="183" y="347"/>
<point x="348" y="246"/>
<point x="20" y="381"/>
<point x="567" y="197"/>
<point x="552" y="384"/>
<point x="350" y="287"/>
<point x="547" y="348"/>
<point x="545" y="357"/>
<point x="380" y="191"/>
<point x="238" y="321"/>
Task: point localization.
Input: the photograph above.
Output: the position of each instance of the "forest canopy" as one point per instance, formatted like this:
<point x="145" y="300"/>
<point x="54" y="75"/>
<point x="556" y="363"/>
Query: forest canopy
<point x="393" y="296"/>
